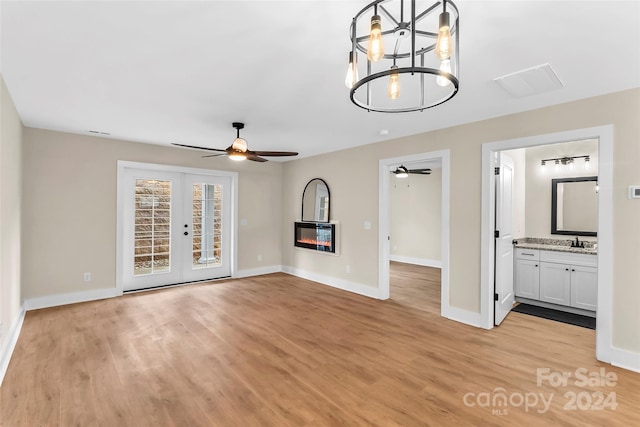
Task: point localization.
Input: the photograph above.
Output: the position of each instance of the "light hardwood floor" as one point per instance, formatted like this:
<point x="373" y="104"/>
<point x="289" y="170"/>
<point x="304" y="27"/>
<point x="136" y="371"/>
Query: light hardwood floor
<point x="415" y="286"/>
<point x="276" y="350"/>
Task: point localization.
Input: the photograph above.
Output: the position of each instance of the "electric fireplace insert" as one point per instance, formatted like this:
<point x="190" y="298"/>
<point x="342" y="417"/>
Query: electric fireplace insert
<point x="314" y="235"/>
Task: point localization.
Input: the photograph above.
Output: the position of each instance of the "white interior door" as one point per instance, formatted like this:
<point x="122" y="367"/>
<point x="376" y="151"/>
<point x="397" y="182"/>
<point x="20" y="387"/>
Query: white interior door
<point x="504" y="289"/>
<point x="176" y="228"/>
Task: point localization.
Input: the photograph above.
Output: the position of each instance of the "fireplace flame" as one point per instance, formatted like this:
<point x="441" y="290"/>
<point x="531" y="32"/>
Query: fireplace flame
<point x="314" y="242"/>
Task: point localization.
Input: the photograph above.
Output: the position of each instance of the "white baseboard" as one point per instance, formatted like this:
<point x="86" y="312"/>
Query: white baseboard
<point x="334" y="282"/>
<point x="10" y="343"/>
<point x="257" y="271"/>
<point x="464" y="316"/>
<point x="70" y="298"/>
<point x="625" y="359"/>
<point x="416" y="261"/>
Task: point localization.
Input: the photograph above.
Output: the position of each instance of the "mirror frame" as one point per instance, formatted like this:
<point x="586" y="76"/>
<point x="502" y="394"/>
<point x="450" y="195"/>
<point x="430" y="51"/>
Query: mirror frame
<point x="328" y="210"/>
<point x="554" y="206"/>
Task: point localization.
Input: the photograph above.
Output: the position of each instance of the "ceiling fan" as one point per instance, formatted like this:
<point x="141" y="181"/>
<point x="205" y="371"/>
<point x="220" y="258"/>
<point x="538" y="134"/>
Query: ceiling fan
<point x="402" y="171"/>
<point x="239" y="150"/>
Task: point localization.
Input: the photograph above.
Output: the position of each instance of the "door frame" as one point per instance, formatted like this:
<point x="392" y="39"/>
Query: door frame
<point x="124" y="164"/>
<point x="604" y="134"/>
<point x="385" y="222"/>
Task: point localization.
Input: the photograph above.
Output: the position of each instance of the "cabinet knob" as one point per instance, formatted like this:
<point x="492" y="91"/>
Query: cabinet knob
<point x="573" y="269"/>
<point x="536" y="265"/>
<point x="566" y="269"/>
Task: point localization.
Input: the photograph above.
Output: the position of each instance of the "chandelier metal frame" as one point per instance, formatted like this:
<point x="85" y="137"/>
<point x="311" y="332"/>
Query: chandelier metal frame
<point x="422" y="42"/>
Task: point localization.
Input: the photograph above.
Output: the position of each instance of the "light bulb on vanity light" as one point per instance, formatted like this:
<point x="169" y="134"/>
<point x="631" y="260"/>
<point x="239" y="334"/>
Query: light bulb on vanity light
<point x="375" y="48"/>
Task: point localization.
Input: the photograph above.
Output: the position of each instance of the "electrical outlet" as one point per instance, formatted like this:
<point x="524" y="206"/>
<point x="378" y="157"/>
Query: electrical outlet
<point x="259" y="258"/>
<point x="348" y="269"/>
<point x="86" y="277"/>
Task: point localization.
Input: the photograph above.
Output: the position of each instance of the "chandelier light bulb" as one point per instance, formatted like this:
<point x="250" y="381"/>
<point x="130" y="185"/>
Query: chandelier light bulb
<point x="445" y="66"/>
<point x="375" y="48"/>
<point x="352" y="71"/>
<point x="394" y="83"/>
<point x="444" y="44"/>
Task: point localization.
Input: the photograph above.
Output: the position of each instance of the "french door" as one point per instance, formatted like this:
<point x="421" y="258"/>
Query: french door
<point x="176" y="228"/>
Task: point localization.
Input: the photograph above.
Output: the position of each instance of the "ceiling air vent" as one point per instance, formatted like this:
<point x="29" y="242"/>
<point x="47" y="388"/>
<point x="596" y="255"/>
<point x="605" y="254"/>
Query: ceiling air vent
<point x="531" y="81"/>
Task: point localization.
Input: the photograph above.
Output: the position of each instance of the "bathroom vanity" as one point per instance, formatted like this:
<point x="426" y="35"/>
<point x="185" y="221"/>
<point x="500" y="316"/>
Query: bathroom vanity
<point x="551" y="273"/>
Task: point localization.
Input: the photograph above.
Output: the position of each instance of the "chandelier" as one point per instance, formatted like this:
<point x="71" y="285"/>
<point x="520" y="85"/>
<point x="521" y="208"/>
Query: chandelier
<point x="407" y="53"/>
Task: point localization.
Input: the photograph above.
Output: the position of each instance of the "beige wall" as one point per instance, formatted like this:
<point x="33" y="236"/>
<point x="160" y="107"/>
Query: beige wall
<point x="353" y="179"/>
<point x="10" y="212"/>
<point x="69" y="211"/>
<point x="538" y="181"/>
<point x="415" y="216"/>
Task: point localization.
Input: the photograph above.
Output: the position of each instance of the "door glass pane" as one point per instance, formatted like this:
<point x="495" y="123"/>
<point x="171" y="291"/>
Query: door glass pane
<point x="207" y="225"/>
<point x="152" y="227"/>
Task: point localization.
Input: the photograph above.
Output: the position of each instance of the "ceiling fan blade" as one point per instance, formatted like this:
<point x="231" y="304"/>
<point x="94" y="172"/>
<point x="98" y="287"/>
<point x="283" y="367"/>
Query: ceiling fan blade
<point x="420" y="171"/>
<point x="275" y="153"/>
<point x="255" y="157"/>
<point x="215" y="155"/>
<point x="199" y="148"/>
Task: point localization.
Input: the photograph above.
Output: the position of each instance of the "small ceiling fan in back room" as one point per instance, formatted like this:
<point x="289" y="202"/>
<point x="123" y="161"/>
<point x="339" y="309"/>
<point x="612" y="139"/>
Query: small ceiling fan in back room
<point x="239" y="150"/>
<point x="402" y="171"/>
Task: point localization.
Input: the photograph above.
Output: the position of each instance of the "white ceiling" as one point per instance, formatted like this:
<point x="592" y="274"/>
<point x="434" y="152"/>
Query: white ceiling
<point x="162" y="72"/>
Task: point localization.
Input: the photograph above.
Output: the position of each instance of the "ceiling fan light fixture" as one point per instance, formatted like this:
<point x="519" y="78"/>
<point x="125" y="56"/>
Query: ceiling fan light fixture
<point x="401" y="172"/>
<point x="237" y="156"/>
<point x="240" y="144"/>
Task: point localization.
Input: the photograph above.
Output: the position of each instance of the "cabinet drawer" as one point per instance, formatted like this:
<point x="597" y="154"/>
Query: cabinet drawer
<point x="531" y="254"/>
<point x="569" y="258"/>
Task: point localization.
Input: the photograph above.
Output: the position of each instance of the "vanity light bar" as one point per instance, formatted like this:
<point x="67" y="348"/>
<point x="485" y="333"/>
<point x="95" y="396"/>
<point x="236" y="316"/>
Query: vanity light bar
<point x="567" y="160"/>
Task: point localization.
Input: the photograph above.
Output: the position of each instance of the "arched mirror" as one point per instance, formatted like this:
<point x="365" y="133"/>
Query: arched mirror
<point x="315" y="201"/>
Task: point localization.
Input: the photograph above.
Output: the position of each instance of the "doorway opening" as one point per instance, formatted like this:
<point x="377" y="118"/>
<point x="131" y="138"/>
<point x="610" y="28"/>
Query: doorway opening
<point x="414" y="231"/>
<point x="604" y="137"/>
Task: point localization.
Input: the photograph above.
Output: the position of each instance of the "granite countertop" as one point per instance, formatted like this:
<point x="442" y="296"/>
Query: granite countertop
<point x="558" y="245"/>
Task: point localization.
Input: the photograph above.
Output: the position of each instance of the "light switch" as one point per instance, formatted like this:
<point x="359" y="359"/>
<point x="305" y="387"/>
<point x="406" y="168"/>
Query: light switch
<point x="367" y="225"/>
<point x="243" y="221"/>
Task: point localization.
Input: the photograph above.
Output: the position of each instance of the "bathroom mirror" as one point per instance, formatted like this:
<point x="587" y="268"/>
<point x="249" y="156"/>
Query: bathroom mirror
<point x="315" y="201"/>
<point x="574" y="206"/>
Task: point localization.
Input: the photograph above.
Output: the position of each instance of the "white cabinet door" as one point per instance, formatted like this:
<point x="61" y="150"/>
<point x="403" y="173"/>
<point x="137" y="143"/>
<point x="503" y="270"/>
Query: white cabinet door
<point x="584" y="287"/>
<point x="555" y="283"/>
<point x="528" y="279"/>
